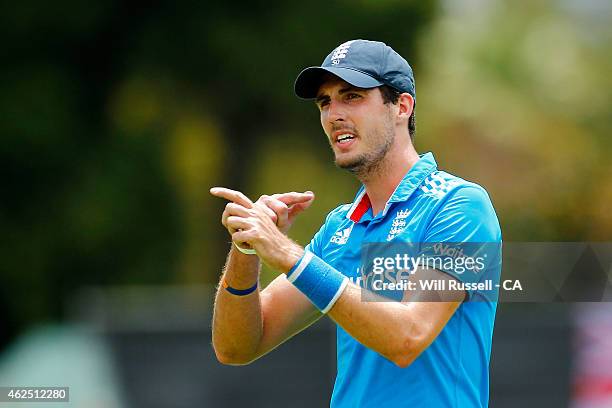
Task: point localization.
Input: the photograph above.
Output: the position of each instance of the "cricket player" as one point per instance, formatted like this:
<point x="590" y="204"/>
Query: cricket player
<point x="407" y="352"/>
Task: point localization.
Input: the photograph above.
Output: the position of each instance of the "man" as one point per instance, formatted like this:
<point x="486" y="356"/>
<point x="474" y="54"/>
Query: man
<point x="408" y="352"/>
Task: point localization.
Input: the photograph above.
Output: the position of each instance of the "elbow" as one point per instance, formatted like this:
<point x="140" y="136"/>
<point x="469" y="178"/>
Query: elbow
<point x="409" y="347"/>
<point x="403" y="360"/>
<point x="232" y="359"/>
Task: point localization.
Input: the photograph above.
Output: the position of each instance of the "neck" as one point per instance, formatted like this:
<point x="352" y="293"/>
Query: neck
<point x="382" y="181"/>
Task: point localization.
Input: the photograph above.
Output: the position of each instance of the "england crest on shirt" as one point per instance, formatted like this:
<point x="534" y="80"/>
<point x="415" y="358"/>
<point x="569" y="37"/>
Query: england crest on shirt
<point x="399" y="224"/>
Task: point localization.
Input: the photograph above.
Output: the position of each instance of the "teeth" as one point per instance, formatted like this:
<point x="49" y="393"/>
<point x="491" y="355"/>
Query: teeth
<point x="344" y="137"/>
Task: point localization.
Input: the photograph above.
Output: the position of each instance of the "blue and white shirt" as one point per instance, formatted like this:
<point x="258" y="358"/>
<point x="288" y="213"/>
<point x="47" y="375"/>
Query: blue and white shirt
<point x="427" y="206"/>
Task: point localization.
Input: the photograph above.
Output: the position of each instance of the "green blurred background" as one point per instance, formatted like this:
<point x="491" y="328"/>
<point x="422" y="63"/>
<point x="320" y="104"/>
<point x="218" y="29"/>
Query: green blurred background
<point x="117" y="117"/>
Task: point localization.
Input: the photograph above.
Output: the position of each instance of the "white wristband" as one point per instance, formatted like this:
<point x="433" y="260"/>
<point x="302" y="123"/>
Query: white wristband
<point x="247" y="251"/>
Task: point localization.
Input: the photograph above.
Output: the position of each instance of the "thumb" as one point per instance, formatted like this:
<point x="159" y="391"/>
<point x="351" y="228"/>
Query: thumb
<point x="294" y="198"/>
<point x="299" y="207"/>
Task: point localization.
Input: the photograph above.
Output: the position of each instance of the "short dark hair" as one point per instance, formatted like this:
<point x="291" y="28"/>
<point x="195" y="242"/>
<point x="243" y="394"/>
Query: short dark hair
<point x="391" y="95"/>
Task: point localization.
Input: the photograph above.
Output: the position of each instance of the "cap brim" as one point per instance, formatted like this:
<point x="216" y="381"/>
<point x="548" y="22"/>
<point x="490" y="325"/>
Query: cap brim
<point x="309" y="80"/>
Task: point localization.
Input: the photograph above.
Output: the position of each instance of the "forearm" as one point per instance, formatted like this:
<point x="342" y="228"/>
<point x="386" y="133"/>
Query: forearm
<point x="385" y="326"/>
<point x="380" y="325"/>
<point x="237" y="320"/>
<point x="239" y="333"/>
<point x="399" y="331"/>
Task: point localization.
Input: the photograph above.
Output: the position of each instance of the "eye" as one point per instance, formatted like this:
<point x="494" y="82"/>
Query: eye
<point x="321" y="103"/>
<point x="352" y="95"/>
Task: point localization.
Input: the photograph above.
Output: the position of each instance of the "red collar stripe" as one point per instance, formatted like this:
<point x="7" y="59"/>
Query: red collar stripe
<point x="362" y="208"/>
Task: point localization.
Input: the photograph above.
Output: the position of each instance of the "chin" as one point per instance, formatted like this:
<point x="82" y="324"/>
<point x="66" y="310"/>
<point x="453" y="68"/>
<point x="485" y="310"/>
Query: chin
<point x="349" y="163"/>
<point x="344" y="161"/>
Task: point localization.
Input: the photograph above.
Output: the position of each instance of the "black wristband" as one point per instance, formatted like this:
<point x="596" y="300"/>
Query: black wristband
<point x="239" y="292"/>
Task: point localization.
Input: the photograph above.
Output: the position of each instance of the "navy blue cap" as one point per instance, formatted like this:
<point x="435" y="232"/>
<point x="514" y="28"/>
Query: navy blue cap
<point x="361" y="63"/>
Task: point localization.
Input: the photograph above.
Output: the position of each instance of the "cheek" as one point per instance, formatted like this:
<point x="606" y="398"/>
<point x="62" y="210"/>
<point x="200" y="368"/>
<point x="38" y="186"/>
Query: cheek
<point x="379" y="120"/>
<point x="325" y="124"/>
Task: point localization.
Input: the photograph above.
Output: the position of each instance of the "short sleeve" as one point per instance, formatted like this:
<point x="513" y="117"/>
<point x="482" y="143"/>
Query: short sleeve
<point x="319" y="239"/>
<point x="463" y="239"/>
<point x="316" y="243"/>
<point x="467" y="216"/>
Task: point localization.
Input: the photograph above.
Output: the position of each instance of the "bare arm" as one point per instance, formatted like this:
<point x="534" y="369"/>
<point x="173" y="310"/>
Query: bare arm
<point x="400" y="331"/>
<point x="247" y="327"/>
<point x="237" y="320"/>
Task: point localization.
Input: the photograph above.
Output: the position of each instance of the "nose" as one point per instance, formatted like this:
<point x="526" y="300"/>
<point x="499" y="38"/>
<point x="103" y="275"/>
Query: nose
<point x="336" y="112"/>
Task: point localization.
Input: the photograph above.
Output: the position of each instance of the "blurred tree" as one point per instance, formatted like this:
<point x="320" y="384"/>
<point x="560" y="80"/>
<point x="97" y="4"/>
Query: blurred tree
<point x="118" y="116"/>
<point x="527" y="91"/>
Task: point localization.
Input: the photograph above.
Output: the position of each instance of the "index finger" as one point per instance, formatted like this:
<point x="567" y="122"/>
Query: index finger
<point x="294" y="198"/>
<point x="232" y="195"/>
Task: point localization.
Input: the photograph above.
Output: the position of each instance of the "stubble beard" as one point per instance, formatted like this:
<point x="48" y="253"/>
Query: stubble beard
<point x="365" y="165"/>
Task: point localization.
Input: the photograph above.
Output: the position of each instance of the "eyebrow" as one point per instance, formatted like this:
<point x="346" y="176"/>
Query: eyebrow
<point x="350" y="88"/>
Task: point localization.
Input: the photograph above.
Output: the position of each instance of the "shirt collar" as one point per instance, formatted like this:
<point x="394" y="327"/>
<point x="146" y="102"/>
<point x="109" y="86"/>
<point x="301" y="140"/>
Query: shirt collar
<point x="415" y="176"/>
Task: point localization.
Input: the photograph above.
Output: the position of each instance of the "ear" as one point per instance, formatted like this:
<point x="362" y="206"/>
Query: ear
<point x="406" y="105"/>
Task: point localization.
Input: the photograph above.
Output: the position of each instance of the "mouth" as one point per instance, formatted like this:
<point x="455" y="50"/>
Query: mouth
<point x="343" y="137"/>
<point x="343" y="142"/>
